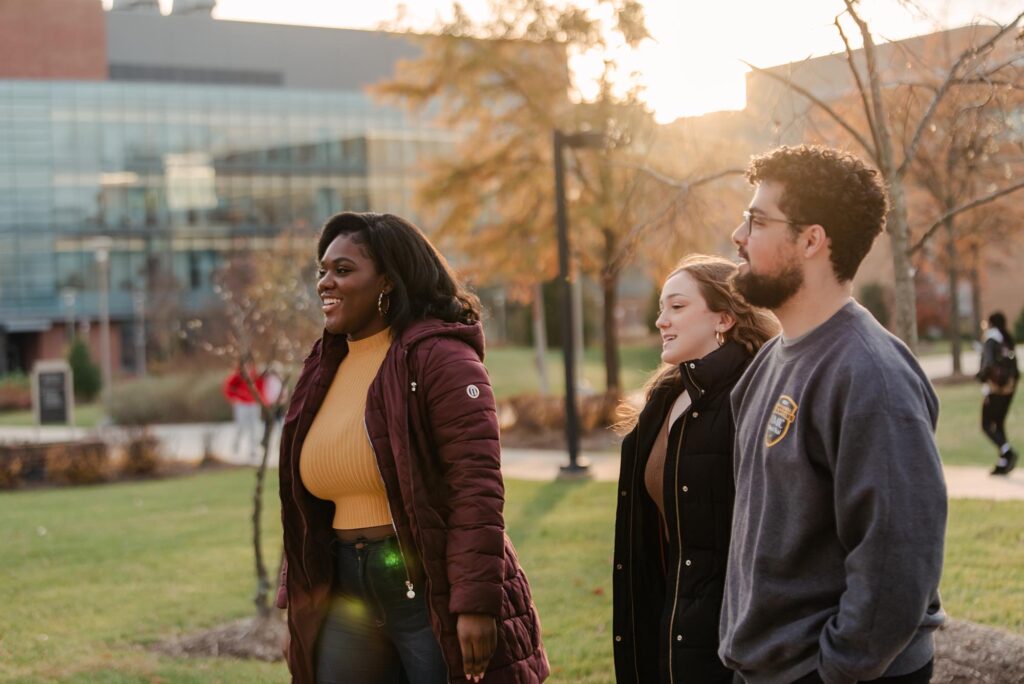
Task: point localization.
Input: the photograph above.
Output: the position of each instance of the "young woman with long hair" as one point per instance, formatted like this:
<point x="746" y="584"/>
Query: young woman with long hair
<point x="675" y="495"/>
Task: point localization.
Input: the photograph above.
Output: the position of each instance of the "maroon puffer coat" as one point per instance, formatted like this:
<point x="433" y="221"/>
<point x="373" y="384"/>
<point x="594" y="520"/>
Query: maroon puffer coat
<point x="431" y="419"/>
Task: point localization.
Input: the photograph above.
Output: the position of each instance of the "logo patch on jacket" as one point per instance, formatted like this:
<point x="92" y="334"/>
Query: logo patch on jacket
<point x="779" y="421"/>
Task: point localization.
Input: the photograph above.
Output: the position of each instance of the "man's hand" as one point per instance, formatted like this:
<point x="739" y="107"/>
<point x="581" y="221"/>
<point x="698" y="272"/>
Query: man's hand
<point x="478" y="637"/>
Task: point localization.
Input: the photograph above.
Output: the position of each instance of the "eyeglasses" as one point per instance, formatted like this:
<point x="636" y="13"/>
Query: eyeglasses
<point x="748" y="220"/>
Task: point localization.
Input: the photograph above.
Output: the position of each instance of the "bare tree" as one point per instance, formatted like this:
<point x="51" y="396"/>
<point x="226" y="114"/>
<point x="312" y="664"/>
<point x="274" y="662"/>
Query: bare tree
<point x="980" y="63"/>
<point x="966" y="152"/>
<point x="267" y="299"/>
<point x="504" y="83"/>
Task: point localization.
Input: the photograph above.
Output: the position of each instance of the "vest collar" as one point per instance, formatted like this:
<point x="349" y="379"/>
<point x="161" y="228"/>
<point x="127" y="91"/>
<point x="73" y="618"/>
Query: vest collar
<point x="716" y="370"/>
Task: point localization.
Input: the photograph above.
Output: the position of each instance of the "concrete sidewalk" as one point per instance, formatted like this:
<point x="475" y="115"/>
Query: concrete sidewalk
<point x="187" y="443"/>
<point x="962" y="482"/>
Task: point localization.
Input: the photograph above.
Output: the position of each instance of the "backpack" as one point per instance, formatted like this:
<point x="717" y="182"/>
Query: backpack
<point x="1003" y="373"/>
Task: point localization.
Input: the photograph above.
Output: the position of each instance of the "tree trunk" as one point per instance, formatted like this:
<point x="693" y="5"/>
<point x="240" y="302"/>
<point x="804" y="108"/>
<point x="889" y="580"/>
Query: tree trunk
<point x="899" y="231"/>
<point x="540" y="339"/>
<point x="954" y="296"/>
<point x="975" y="292"/>
<point x="262" y="597"/>
<point x="903" y="290"/>
<point x="580" y="344"/>
<point x="612" y="364"/>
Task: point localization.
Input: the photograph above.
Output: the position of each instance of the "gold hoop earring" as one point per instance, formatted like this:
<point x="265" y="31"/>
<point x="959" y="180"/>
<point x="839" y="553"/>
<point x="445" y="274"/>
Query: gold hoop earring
<point x="719" y="337"/>
<point x="383" y="305"/>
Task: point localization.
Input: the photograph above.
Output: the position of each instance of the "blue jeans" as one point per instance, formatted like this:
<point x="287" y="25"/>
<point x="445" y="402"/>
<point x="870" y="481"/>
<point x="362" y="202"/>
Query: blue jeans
<point x="374" y="633"/>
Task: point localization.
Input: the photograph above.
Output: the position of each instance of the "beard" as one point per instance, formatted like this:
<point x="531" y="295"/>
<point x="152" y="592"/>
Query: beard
<point x="769" y="291"/>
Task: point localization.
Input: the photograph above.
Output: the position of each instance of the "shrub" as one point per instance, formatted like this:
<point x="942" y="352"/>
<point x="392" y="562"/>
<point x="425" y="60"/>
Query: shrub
<point x="11" y="463"/>
<point x="77" y="462"/>
<point x="538" y="413"/>
<point x="15" y="392"/>
<point x="598" y="411"/>
<point x="533" y="412"/>
<point x="85" y="374"/>
<point x="141" y="454"/>
<point x="184" y="398"/>
<point x="874" y="298"/>
<point x="22" y="463"/>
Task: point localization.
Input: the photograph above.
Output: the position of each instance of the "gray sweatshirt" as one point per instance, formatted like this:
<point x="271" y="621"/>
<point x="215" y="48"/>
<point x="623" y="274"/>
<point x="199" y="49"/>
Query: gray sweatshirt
<point x="840" y="509"/>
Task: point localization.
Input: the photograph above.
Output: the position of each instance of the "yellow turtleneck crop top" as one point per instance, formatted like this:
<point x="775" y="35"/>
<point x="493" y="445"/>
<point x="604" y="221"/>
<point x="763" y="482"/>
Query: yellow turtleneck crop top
<point x="337" y="462"/>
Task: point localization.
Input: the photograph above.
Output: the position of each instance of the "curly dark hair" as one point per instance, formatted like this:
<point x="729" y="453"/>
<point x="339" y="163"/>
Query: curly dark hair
<point x="832" y="188"/>
<point x="424" y="285"/>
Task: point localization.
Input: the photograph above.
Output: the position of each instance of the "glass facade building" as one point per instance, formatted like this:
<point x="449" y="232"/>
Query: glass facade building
<point x="179" y="175"/>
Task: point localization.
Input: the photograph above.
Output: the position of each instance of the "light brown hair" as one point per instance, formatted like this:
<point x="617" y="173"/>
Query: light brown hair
<point x="752" y="329"/>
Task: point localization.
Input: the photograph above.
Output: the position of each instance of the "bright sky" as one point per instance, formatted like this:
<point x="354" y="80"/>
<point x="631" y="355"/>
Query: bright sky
<point x="693" y="64"/>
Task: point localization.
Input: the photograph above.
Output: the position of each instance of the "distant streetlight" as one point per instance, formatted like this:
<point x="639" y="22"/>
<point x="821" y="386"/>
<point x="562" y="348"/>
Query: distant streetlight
<point x="139" y="306"/>
<point x="101" y="247"/>
<point x="590" y="140"/>
<point x="68" y="295"/>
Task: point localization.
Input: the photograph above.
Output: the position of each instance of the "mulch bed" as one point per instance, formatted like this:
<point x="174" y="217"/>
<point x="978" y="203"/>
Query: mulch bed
<point x="249" y="638"/>
<point x="969" y="653"/>
<point x="966" y="652"/>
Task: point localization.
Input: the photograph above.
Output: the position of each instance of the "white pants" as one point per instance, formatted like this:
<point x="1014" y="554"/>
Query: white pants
<point x="247" y="424"/>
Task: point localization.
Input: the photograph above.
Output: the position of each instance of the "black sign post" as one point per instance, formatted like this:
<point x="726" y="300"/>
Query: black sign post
<point x="53" y="398"/>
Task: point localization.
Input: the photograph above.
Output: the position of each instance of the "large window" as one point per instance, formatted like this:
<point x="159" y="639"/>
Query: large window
<point x="152" y="164"/>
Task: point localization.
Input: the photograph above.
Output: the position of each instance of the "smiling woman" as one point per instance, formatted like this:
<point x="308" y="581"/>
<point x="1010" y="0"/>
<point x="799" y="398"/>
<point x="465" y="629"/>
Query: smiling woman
<point x="397" y="565"/>
<point x="352" y="289"/>
<point x="672" y="527"/>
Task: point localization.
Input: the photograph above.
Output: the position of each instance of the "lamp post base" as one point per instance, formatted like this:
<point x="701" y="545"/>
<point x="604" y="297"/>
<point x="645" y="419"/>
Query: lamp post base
<point x="580" y="470"/>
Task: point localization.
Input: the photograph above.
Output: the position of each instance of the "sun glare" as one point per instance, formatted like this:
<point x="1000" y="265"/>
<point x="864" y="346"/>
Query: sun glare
<point x="693" y="63"/>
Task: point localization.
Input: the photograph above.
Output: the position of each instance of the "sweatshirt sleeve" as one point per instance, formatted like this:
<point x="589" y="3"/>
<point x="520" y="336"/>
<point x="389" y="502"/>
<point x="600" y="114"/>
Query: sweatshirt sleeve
<point x="464" y="423"/>
<point x="890" y="500"/>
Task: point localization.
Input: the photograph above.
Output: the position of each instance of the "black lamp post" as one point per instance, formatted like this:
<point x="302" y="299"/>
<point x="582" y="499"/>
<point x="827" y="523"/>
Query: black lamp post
<point x="592" y="140"/>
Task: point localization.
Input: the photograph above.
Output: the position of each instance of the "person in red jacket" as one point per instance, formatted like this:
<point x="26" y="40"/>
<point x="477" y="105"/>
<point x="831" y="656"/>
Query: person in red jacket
<point x="397" y="566"/>
<point x="245" y="409"/>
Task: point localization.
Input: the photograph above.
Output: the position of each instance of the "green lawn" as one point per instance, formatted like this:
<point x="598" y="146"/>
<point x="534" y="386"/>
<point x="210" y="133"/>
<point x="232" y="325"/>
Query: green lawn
<point x="983" y="579"/>
<point x="961" y="441"/>
<point x="90" y="576"/>
<point x="86" y="415"/>
<point x="513" y="370"/>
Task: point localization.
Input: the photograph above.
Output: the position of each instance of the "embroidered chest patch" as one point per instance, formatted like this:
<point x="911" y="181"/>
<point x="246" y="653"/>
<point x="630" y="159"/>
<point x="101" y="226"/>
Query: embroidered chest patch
<point x="779" y="421"/>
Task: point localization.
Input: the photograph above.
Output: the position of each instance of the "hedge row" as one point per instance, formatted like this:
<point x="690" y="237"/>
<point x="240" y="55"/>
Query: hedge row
<point x="538" y="412"/>
<point x="71" y="463"/>
<point x="15" y="392"/>
<point x="181" y="398"/>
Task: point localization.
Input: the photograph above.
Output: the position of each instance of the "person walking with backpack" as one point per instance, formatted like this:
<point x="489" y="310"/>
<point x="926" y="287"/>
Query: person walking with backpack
<point x="998" y="375"/>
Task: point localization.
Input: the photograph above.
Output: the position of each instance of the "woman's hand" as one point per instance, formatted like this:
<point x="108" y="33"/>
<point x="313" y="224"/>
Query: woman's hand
<point x="478" y="637"/>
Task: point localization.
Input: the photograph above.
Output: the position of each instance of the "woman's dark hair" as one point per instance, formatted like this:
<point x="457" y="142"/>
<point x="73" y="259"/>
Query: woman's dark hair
<point x="423" y="285"/>
<point x="998" y="321"/>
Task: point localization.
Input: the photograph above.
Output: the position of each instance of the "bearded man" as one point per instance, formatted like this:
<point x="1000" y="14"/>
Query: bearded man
<point x="840" y="509"/>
